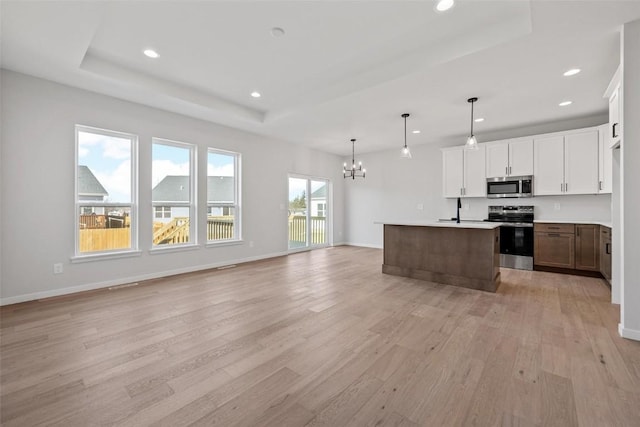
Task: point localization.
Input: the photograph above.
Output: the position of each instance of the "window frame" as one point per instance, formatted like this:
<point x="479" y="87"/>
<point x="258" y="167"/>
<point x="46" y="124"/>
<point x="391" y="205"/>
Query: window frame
<point x="192" y="204"/>
<point x="236" y="204"/>
<point x="132" y="205"/>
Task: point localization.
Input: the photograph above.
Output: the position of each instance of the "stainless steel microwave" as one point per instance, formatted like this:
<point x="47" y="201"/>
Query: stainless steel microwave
<point x="510" y="187"/>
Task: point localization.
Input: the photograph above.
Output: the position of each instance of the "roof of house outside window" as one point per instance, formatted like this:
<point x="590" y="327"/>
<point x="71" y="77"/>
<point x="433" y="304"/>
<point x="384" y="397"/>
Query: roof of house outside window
<point x="88" y="184"/>
<point x="175" y="188"/>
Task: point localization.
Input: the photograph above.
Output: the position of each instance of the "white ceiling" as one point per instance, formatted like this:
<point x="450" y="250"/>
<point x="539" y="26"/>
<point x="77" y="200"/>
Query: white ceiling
<point x="344" y="69"/>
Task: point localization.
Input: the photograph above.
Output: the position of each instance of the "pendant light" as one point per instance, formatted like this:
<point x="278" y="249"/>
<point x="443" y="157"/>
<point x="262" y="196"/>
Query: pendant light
<point x="405" y="153"/>
<point x="354" y="171"/>
<point x="472" y="142"/>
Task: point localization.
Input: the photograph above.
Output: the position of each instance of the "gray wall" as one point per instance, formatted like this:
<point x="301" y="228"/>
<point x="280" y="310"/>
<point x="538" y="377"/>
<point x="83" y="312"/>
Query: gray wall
<point x="37" y="178"/>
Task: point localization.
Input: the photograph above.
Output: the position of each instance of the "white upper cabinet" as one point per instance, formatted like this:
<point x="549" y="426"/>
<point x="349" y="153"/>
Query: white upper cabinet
<point x="452" y="172"/>
<point x="548" y="173"/>
<point x="475" y="180"/>
<point x="566" y="164"/>
<point x="605" y="161"/>
<point x="614" y="115"/>
<point x="521" y="157"/>
<point x="581" y="163"/>
<point x="614" y="94"/>
<point x="510" y="158"/>
<point x="464" y="172"/>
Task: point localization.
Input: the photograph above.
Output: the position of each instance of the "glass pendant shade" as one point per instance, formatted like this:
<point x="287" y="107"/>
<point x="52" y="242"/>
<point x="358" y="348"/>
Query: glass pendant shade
<point x="472" y="143"/>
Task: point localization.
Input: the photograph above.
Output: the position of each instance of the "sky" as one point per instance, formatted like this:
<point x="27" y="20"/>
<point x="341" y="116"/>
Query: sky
<point x="109" y="158"/>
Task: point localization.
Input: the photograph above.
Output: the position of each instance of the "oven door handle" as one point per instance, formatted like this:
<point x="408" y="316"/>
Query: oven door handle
<point x="516" y="225"/>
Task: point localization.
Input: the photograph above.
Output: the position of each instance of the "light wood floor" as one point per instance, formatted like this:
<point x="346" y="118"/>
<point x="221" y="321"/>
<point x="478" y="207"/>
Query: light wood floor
<point x="321" y="338"/>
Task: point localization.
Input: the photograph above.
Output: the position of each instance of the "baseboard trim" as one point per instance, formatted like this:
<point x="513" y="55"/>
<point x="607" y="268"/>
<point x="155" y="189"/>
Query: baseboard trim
<point x="126" y="280"/>
<point x="631" y="334"/>
<point x="363" y="245"/>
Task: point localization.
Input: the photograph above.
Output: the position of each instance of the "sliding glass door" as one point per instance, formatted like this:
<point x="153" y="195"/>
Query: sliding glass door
<point x="308" y="213"/>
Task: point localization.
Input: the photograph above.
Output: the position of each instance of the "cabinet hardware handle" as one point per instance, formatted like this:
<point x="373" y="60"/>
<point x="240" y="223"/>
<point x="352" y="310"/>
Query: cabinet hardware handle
<point x="607" y="248"/>
<point x="553" y="234"/>
<point x="509" y="170"/>
<point x="566" y="187"/>
<point x="614" y="133"/>
<point x="506" y="170"/>
<point x="599" y="185"/>
<point x="561" y="186"/>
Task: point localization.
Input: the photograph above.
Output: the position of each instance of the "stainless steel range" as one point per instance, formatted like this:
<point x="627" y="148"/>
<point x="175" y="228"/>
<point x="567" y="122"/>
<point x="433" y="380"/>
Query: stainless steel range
<point x="516" y="235"/>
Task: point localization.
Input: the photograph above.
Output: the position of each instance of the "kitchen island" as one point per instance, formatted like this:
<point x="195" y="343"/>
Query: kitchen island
<point x="465" y="254"/>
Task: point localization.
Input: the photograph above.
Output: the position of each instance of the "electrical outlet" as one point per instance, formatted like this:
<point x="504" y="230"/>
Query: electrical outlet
<point x="420" y="206"/>
<point x="556" y="206"/>
<point x="58" y="268"/>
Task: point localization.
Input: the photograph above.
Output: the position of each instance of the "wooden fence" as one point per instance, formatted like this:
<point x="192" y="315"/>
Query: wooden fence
<point x="104" y="239"/>
<point x="93" y="221"/>
<point x="298" y="229"/>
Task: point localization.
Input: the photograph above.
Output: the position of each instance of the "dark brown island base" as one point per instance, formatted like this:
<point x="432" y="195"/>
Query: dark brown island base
<point x="466" y="254"/>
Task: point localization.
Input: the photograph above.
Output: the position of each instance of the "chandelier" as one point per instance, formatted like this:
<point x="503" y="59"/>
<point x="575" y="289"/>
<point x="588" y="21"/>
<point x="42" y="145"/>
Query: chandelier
<point x="354" y="171"/>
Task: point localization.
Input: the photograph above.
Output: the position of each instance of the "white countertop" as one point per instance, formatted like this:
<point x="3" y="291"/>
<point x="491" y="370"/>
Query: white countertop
<point x="566" y="221"/>
<point x="448" y="224"/>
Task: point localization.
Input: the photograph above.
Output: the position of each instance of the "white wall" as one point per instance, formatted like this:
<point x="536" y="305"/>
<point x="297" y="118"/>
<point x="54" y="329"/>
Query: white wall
<point x="395" y="187"/>
<point x="37" y="178"/>
<point x="630" y="304"/>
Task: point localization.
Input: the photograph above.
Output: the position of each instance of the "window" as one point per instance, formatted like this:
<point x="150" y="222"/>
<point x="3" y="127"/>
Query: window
<point x="173" y="194"/>
<point x="223" y="196"/>
<point x="322" y="210"/>
<point x="160" y="212"/>
<point x="106" y="196"/>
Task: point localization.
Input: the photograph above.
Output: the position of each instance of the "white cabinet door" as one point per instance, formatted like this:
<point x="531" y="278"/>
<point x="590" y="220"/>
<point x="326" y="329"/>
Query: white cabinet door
<point x="452" y="172"/>
<point x="521" y="157"/>
<point x="605" y="161"/>
<point x="614" y="115"/>
<point x="498" y="159"/>
<point x="475" y="180"/>
<point x="548" y="166"/>
<point x="581" y="163"/>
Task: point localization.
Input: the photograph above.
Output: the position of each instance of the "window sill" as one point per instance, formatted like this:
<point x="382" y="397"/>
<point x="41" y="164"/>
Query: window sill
<point x="173" y="248"/>
<point x="220" y="243"/>
<point x="104" y="256"/>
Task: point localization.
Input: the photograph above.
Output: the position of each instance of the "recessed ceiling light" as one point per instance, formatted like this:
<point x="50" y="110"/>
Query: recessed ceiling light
<point x="277" y="32"/>
<point x="151" y="53"/>
<point x="255" y="94"/>
<point x="415" y="131"/>
<point x="571" y="72"/>
<point x="479" y="119"/>
<point x="565" y="103"/>
<point x="444" y="5"/>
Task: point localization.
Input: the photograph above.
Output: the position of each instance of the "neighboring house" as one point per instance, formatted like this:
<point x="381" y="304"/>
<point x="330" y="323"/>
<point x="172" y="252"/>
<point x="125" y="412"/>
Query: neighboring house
<point x="319" y="202"/>
<point x="175" y="189"/>
<point x="90" y="189"/>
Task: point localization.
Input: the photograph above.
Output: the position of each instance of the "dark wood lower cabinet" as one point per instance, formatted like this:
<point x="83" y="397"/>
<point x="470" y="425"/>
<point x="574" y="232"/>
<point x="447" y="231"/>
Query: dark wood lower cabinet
<point x="554" y="249"/>
<point x="587" y="247"/>
<point x="570" y="248"/>
<point x="605" y="253"/>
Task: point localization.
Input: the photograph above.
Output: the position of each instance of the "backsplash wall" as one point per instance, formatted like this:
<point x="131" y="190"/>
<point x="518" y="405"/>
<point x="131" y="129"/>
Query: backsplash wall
<point x="567" y="208"/>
